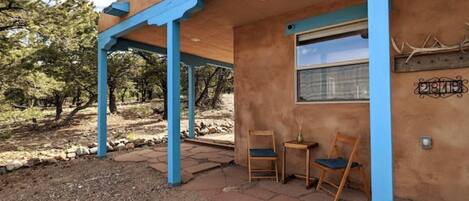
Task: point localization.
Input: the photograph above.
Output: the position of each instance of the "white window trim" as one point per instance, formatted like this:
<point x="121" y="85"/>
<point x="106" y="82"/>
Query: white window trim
<point x="324" y="32"/>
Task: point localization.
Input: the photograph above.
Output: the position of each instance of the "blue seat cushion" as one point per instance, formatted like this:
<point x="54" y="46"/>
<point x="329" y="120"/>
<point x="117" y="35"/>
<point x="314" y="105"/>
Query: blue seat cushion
<point x="262" y="153"/>
<point x="335" y="163"/>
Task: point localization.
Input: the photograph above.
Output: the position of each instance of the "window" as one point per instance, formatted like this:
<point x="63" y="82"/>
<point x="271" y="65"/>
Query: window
<point x="332" y="64"/>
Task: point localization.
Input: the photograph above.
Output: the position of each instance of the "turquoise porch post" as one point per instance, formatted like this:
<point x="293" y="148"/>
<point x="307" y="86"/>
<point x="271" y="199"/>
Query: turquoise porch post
<point x="380" y="101"/>
<point x="191" y="101"/>
<point x="102" y="101"/>
<point x="174" y="103"/>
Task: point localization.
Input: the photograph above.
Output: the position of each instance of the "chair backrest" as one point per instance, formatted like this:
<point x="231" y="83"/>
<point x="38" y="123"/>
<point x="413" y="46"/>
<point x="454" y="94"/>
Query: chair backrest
<point x="259" y="133"/>
<point x="346" y="140"/>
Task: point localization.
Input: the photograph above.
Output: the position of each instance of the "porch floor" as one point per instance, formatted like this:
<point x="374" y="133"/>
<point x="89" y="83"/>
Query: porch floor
<point x="210" y="173"/>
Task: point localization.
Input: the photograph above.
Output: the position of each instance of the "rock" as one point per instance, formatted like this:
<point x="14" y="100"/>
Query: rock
<point x="123" y="140"/>
<point x="120" y="146"/>
<point x="109" y="147"/>
<point x="80" y="151"/>
<point x="33" y="162"/>
<point x="94" y="150"/>
<point x="151" y="143"/>
<point x="14" y="165"/>
<point x="138" y="142"/>
<point x="204" y="131"/>
<point x="49" y="161"/>
<point x="71" y="155"/>
<point x="130" y="145"/>
<point x="212" y="130"/>
<point x="61" y="157"/>
<point x="202" y="125"/>
<point x="3" y="170"/>
<point x="91" y="145"/>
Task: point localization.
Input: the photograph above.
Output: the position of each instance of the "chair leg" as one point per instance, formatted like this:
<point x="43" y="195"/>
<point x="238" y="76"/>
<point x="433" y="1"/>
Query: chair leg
<point x="249" y="168"/>
<point x="366" y="187"/>
<point x="321" y="179"/>
<point x="342" y="184"/>
<point x="276" y="170"/>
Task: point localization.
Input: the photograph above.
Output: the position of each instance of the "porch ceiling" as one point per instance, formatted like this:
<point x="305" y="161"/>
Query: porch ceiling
<point x="209" y="33"/>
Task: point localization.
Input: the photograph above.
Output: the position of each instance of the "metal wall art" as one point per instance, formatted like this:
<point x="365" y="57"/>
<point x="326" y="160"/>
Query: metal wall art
<point x="441" y="87"/>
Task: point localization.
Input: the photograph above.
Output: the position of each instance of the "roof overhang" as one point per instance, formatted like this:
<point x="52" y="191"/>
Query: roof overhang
<point x="208" y="34"/>
<point x="117" y="9"/>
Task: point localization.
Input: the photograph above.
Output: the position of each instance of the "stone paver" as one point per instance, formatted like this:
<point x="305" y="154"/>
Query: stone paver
<point x="201" y="175"/>
<point x="317" y="196"/>
<point x="212" y="180"/>
<point x="233" y="196"/>
<point x="284" y="198"/>
<point x="294" y="188"/>
<point x="259" y="193"/>
<point x="162" y="167"/>
<point x="221" y="159"/>
<point x="153" y="154"/>
<point x="202" y="167"/>
<point x="188" y="162"/>
<point x="186" y="177"/>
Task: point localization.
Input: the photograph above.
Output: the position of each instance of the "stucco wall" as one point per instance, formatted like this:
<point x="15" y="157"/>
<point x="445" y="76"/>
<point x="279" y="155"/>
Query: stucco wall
<point x="443" y="172"/>
<point x="264" y="99"/>
<point x="264" y="92"/>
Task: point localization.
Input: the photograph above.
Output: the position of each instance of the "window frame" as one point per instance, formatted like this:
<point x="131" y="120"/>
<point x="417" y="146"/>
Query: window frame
<point x="325" y="33"/>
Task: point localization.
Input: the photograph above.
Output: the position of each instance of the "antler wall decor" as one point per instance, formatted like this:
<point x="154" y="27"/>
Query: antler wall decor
<point x="431" y="45"/>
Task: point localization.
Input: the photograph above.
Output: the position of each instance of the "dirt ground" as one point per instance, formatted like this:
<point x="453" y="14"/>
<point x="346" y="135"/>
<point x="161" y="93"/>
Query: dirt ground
<point x="134" y="121"/>
<point x="90" y="179"/>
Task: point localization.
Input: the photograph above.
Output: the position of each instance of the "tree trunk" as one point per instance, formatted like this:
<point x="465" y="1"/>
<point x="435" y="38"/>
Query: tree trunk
<point x="204" y="93"/>
<point x="123" y="95"/>
<point x="112" y="99"/>
<point x="59" y="101"/>
<point x="72" y="114"/>
<point x="219" y="88"/>
<point x="164" y="87"/>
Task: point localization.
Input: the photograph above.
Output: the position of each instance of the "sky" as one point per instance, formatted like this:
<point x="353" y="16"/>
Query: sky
<point x="100" y="4"/>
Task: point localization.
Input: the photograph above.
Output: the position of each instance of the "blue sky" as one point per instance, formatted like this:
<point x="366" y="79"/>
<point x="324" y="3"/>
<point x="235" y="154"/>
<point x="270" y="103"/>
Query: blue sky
<point x="100" y="4"/>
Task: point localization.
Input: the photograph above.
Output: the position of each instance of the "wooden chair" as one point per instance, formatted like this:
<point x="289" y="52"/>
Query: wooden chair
<point x="264" y="154"/>
<point x="336" y="164"/>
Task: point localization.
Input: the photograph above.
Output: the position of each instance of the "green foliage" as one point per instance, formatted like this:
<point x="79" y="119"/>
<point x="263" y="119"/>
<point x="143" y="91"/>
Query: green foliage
<point x="17" y="116"/>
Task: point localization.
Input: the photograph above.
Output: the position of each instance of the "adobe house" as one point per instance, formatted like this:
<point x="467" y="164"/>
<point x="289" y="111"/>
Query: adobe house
<point x="330" y="65"/>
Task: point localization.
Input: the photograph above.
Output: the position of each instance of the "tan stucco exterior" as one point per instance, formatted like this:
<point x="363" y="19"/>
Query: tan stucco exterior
<point x="263" y="55"/>
<point x="264" y="99"/>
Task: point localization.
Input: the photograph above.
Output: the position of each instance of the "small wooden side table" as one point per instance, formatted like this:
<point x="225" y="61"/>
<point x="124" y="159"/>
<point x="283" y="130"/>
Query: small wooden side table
<point x="306" y="146"/>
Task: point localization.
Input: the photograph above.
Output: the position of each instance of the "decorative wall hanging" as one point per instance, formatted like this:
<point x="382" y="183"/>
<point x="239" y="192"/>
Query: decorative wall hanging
<point x="441" y="87"/>
<point x="432" y="55"/>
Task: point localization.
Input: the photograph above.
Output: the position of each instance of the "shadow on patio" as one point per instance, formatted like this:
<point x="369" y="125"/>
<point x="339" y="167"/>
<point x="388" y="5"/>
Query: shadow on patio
<point x="211" y="173"/>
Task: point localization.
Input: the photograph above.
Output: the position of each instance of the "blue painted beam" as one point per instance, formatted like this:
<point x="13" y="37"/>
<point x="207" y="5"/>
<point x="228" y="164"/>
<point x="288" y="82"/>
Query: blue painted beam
<point x="356" y="12"/>
<point x="157" y="14"/>
<point x="102" y="102"/>
<point x="174" y="103"/>
<point x="188" y="59"/>
<point x="380" y="100"/>
<point x="117" y="9"/>
<point x="191" y="101"/>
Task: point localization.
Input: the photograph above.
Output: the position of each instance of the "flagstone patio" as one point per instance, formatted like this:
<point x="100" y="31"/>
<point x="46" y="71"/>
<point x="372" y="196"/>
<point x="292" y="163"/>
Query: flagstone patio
<point x="210" y="173"/>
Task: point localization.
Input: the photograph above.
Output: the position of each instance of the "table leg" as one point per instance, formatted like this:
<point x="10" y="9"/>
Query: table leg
<point x="284" y="164"/>
<point x="307" y="168"/>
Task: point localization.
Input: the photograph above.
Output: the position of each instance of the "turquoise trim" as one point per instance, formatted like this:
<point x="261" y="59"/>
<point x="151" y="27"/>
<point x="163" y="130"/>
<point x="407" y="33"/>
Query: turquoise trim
<point x="380" y="100"/>
<point x="158" y="14"/>
<point x="188" y="59"/>
<point x="340" y="16"/>
<point x="117" y="9"/>
<point x="102" y="102"/>
<point x="174" y="103"/>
